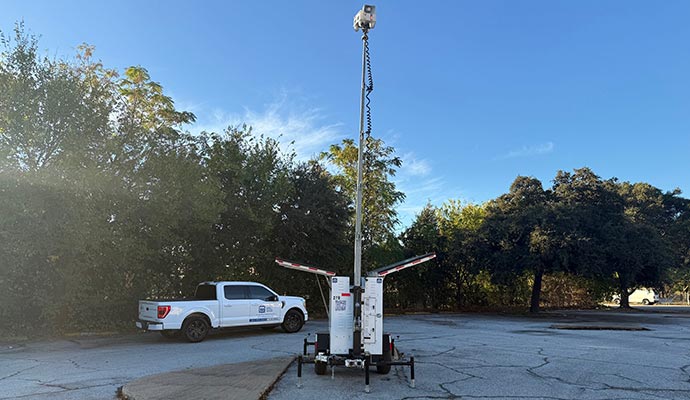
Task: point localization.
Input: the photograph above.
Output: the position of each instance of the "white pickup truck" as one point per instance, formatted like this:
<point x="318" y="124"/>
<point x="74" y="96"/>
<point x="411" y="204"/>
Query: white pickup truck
<point x="221" y="305"/>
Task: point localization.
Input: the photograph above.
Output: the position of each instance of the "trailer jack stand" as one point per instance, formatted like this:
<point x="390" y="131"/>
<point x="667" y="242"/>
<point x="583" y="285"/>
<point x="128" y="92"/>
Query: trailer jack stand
<point x="366" y="373"/>
<point x="412" y="372"/>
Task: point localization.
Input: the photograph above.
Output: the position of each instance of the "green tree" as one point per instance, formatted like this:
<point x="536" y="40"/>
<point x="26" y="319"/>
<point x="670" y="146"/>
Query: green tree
<point x="53" y="113"/>
<point x="254" y="179"/>
<point x="105" y="199"/>
<point x="618" y="230"/>
<point x="380" y="196"/>
<point x="525" y="227"/>
<point x="427" y="284"/>
<point x="311" y="228"/>
<point x="677" y="210"/>
<point x="458" y="226"/>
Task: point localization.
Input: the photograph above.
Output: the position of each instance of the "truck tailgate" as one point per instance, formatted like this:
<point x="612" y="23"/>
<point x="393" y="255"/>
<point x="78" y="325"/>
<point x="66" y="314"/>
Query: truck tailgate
<point x="148" y="310"/>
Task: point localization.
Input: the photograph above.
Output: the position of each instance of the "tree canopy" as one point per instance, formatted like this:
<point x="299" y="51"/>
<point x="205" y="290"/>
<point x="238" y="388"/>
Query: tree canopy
<point x="106" y="199"/>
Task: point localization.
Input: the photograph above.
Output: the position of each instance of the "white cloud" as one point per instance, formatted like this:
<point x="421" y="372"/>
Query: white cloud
<point x="414" y="166"/>
<point x="298" y="128"/>
<point x="529" y="151"/>
<point x="306" y="130"/>
<point x="421" y="188"/>
<point x="421" y="192"/>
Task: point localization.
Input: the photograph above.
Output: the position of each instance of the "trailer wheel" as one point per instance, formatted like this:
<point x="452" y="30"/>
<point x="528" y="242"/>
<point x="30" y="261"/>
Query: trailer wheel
<point x="645" y="302"/>
<point x="195" y="328"/>
<point x="293" y="321"/>
<point x="171" y="334"/>
<point x="387" y="357"/>
<point x="320" y="367"/>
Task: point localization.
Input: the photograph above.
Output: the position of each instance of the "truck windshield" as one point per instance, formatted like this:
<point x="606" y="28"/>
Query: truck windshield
<point x="205" y="292"/>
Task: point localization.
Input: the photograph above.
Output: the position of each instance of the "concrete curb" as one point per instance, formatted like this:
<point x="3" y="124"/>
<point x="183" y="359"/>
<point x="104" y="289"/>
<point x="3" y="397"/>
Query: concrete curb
<point x="247" y="380"/>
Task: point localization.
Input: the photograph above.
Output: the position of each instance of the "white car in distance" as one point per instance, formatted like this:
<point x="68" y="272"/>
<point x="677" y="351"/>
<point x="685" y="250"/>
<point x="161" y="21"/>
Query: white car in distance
<point x="643" y="295"/>
<point x="222" y="305"/>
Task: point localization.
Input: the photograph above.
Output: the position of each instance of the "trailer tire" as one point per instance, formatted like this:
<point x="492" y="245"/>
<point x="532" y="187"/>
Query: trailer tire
<point x="171" y="333"/>
<point x="385" y="368"/>
<point x="320" y="367"/>
<point x="195" y="328"/>
<point x="293" y="321"/>
<point x="387" y="357"/>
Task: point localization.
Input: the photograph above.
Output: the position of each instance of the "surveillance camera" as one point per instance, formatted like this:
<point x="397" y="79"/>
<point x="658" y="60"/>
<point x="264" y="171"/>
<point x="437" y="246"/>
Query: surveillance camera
<point x="365" y="19"/>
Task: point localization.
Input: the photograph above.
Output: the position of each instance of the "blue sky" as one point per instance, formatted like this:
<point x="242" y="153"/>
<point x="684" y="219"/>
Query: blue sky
<point x="470" y="93"/>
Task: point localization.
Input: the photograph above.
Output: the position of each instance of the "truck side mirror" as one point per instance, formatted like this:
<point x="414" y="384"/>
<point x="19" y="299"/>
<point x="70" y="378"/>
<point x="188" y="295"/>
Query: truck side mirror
<point x="272" y="298"/>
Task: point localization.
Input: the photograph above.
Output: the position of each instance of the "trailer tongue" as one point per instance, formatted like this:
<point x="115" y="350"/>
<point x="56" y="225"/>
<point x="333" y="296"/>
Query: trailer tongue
<point x="355" y="337"/>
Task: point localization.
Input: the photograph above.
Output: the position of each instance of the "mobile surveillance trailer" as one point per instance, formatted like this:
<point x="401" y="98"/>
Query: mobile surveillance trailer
<point x="355" y="337"/>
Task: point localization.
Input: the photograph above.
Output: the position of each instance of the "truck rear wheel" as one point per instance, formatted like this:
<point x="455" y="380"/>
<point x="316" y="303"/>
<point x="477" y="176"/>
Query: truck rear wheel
<point x="293" y="321"/>
<point x="195" y="329"/>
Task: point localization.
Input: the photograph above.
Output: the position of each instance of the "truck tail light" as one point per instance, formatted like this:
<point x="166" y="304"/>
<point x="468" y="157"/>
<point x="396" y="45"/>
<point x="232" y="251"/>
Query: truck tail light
<point x="163" y="311"/>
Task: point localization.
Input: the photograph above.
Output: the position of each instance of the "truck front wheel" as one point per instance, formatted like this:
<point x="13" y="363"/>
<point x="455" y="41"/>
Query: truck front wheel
<point x="195" y="329"/>
<point x="293" y="321"/>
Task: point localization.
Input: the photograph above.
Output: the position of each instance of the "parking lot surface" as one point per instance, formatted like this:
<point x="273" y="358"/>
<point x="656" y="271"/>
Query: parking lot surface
<point x="493" y="357"/>
<point x="458" y="356"/>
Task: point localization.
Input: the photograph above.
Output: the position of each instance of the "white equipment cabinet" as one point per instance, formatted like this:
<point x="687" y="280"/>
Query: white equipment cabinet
<point x="341" y="323"/>
<point x="372" y="316"/>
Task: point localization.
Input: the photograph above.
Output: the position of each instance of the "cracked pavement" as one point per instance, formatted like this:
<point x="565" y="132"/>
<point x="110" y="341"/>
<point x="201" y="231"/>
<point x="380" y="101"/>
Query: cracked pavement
<point x="95" y="367"/>
<point x="500" y="357"/>
<point x="458" y="356"/>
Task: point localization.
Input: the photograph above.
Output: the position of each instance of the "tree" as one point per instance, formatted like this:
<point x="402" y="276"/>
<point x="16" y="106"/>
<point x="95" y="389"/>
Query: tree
<point x="380" y="195"/>
<point x="51" y="126"/>
<point x="254" y="180"/>
<point x="105" y="199"/>
<point x="311" y="228"/>
<point x="458" y="226"/>
<point x="617" y="227"/>
<point x="514" y="221"/>
<point x="428" y="283"/>
<point x="53" y="113"/>
<point x="677" y="210"/>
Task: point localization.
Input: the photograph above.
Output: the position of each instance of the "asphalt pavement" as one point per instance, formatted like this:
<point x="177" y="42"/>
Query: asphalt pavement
<point x="457" y="356"/>
<point x="568" y="355"/>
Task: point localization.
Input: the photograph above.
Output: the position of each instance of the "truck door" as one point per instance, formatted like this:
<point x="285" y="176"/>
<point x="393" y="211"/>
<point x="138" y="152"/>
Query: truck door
<point x="265" y="308"/>
<point x="235" y="305"/>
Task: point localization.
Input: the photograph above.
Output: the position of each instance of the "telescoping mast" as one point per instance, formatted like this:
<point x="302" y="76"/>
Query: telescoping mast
<point x="355" y="337"/>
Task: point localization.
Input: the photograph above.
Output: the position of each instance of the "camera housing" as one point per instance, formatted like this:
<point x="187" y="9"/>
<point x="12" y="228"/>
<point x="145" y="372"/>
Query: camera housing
<point x="365" y="18"/>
